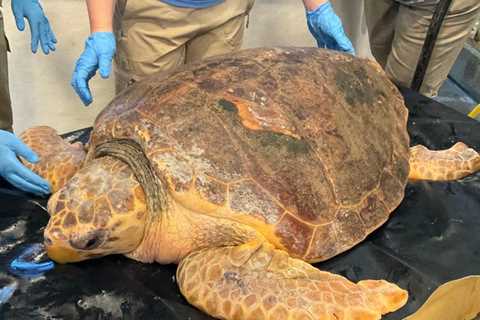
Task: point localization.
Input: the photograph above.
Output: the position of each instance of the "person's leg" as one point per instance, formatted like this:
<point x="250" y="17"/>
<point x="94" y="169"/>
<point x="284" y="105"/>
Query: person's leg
<point x="5" y="103"/>
<point x="222" y="39"/>
<point x="152" y="36"/>
<point x="411" y="28"/>
<point x="380" y="17"/>
<point x="352" y="14"/>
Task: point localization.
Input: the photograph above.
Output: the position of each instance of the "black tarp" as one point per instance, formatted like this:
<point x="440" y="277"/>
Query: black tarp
<point x="432" y="238"/>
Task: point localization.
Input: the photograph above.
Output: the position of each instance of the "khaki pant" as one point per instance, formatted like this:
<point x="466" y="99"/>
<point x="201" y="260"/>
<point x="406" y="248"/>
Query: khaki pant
<point x="397" y="33"/>
<point x="5" y="103"/>
<point x="153" y="36"/>
<point x="352" y="14"/>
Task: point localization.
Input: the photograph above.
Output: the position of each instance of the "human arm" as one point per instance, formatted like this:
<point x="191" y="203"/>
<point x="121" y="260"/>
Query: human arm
<point x="326" y="26"/>
<point x="12" y="170"/>
<point x="40" y="29"/>
<point x="100" y="13"/>
<point x="311" y="5"/>
<point x="99" y="49"/>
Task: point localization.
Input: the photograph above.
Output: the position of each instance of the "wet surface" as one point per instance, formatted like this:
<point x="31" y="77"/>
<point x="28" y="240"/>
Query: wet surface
<point x="431" y="238"/>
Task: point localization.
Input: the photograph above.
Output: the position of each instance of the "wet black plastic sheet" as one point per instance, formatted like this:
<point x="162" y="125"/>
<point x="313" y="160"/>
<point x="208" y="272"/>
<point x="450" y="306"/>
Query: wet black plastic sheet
<point x="432" y="238"/>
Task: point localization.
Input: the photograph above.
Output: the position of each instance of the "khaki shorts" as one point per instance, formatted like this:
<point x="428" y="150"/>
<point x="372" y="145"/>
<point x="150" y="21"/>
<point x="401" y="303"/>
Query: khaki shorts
<point x="153" y="36"/>
<point x="5" y="103"/>
<point x="397" y="34"/>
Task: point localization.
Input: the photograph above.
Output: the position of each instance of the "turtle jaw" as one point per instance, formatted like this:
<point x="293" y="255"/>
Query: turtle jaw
<point x="63" y="255"/>
<point x="76" y="248"/>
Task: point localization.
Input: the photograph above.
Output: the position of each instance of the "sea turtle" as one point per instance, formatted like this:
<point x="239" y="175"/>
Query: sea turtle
<point x="244" y="169"/>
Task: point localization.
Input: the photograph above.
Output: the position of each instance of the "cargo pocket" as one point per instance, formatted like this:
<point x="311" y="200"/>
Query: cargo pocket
<point x="123" y="72"/>
<point x="250" y="4"/>
<point x="233" y="31"/>
<point x="7" y="44"/>
<point x="3" y="38"/>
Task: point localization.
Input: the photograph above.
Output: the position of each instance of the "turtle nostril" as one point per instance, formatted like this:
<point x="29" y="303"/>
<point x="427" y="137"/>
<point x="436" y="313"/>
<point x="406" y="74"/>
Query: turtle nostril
<point x="91" y="243"/>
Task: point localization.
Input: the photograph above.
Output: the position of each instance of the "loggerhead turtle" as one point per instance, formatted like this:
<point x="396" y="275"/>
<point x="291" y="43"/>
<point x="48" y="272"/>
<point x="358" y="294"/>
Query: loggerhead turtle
<point x="243" y="169"/>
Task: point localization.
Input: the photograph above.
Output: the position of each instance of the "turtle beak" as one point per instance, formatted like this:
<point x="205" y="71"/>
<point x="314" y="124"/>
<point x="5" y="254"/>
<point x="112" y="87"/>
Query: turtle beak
<point x="63" y="255"/>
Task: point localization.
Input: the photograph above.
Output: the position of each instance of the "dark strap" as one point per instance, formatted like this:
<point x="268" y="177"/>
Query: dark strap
<point x="432" y="34"/>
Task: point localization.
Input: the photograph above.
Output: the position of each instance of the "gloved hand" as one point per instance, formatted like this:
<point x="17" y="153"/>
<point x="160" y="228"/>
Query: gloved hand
<point x="99" y="50"/>
<point x="326" y="27"/>
<point x="39" y="26"/>
<point x="14" y="171"/>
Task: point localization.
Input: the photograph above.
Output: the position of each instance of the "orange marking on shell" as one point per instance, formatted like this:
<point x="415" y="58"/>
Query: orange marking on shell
<point x="250" y="115"/>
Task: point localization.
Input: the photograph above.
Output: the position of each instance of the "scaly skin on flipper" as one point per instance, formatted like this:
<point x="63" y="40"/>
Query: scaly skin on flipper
<point x="59" y="160"/>
<point x="455" y="163"/>
<point x="256" y="281"/>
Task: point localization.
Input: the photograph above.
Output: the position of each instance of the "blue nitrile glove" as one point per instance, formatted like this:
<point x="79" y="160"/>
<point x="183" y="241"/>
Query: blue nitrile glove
<point x="12" y="170"/>
<point x="31" y="262"/>
<point x="327" y="28"/>
<point x="39" y="26"/>
<point x="8" y="287"/>
<point x="99" y="50"/>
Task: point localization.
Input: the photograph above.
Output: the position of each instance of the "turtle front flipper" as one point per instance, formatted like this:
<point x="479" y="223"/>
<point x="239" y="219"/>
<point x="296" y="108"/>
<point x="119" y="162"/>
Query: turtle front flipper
<point x="455" y="163"/>
<point x="257" y="281"/>
<point x="59" y="160"/>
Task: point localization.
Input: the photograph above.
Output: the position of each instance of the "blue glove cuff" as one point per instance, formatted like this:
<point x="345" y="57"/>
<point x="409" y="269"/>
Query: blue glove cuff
<point x="102" y="35"/>
<point x="104" y="38"/>
<point x="321" y="9"/>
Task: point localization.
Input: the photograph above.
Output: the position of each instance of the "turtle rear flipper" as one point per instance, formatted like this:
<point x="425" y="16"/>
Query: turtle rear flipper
<point x="455" y="163"/>
<point x="257" y="281"/>
<point x="59" y="160"/>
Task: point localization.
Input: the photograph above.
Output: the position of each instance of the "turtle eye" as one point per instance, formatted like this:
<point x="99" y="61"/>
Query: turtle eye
<point x="90" y="241"/>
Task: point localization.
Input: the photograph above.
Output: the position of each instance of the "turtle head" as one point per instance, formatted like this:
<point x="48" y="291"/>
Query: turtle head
<point x="100" y="211"/>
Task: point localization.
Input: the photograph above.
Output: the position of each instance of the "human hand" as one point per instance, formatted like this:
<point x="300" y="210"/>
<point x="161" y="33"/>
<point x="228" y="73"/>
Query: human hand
<point x="39" y="26"/>
<point x="327" y="28"/>
<point x="12" y="170"/>
<point x="99" y="50"/>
